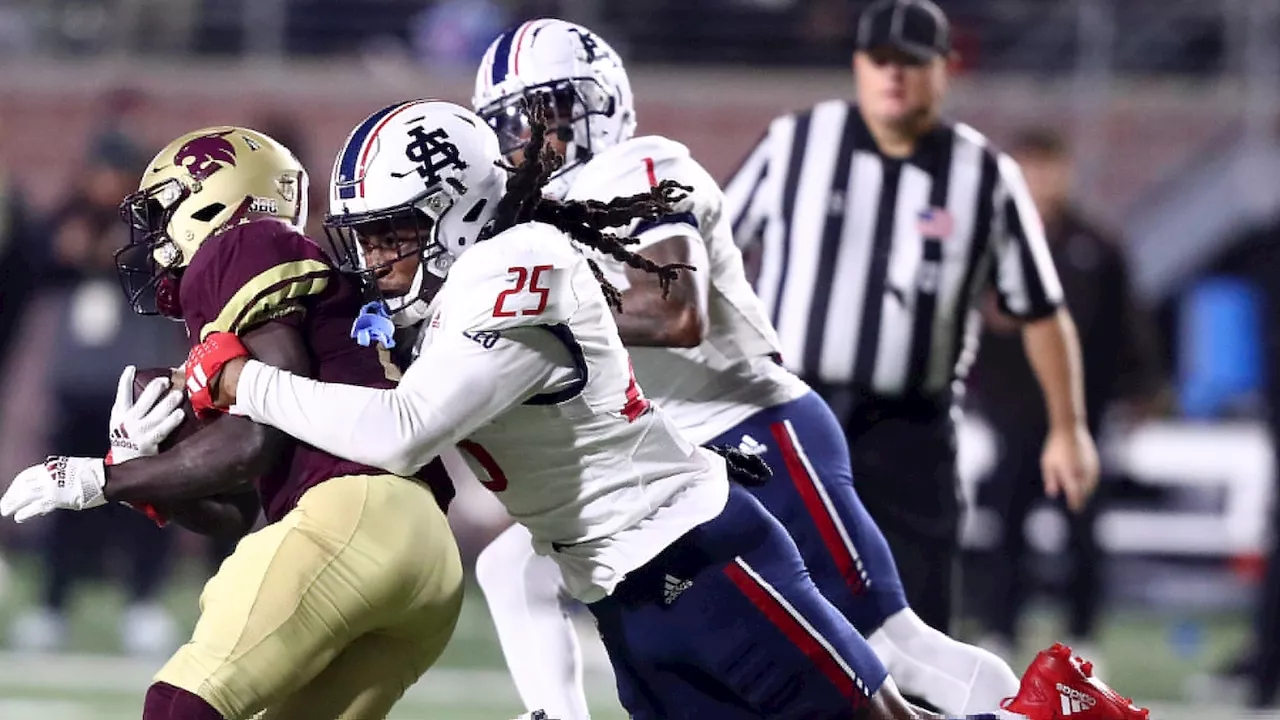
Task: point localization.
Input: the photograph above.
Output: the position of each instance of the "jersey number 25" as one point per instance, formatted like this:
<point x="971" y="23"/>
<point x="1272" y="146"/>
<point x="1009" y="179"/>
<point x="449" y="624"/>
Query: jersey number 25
<point x="527" y="281"/>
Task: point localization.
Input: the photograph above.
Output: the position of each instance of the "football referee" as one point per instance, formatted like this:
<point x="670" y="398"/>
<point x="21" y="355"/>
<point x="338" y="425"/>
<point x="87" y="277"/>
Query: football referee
<point x="877" y="224"/>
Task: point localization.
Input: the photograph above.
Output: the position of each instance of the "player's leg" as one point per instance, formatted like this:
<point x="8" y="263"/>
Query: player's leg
<point x="726" y="623"/>
<point x="372" y="672"/>
<point x="730" y="609"/>
<point x="812" y="494"/>
<point x="526" y="598"/>
<point x="356" y="555"/>
<point x="370" y="675"/>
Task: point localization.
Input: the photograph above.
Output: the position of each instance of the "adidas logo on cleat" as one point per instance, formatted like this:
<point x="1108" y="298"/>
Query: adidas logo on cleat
<point x="1074" y="701"/>
<point x="673" y="587"/>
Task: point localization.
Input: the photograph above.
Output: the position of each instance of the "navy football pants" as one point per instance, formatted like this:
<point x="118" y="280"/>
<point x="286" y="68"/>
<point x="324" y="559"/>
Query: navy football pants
<point x="812" y="494"/>
<point x="726" y="624"/>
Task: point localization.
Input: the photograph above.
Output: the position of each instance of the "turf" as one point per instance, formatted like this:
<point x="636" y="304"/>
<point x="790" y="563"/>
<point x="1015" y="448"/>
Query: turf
<point x="1148" y="656"/>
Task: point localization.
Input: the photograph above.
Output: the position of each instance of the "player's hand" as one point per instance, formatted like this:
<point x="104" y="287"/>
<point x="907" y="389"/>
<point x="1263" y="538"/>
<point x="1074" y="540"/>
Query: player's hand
<point x="745" y="469"/>
<point x="139" y="426"/>
<point x="1070" y="466"/>
<point x="204" y="369"/>
<point x="59" y="483"/>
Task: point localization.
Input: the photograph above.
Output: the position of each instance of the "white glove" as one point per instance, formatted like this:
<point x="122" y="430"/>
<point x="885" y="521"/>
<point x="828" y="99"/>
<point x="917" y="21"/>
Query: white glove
<point x="138" y="427"/>
<point x="60" y="483"/>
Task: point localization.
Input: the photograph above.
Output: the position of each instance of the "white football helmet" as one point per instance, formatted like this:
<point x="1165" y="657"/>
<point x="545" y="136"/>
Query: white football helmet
<point x="590" y="95"/>
<point x="426" y="164"/>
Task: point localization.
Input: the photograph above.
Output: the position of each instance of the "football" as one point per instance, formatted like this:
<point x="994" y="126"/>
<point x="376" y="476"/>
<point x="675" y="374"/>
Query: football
<point x="190" y="423"/>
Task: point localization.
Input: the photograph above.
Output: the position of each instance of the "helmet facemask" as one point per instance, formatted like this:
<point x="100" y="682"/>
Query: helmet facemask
<point x="412" y="230"/>
<point x="150" y="265"/>
<point x="570" y="103"/>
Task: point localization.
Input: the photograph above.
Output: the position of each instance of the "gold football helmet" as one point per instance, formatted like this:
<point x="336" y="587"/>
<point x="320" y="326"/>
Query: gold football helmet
<point x="197" y="186"/>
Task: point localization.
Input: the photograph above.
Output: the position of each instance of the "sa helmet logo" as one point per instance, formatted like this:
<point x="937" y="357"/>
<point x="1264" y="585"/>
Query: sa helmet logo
<point x="432" y="152"/>
<point x="589" y="44"/>
<point x="205" y="155"/>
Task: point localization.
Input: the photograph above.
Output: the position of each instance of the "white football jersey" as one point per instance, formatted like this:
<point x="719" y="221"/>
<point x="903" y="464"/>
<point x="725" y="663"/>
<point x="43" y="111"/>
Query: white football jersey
<point x="731" y="375"/>
<point x="601" y="479"/>
<point x="520" y="367"/>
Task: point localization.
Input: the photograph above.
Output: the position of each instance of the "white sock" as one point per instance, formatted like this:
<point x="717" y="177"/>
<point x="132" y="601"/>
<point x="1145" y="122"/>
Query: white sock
<point x="525" y="592"/>
<point x="956" y="678"/>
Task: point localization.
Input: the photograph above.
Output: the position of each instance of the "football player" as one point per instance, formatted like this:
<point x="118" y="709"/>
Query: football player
<point x="709" y="358"/>
<point x="700" y="596"/>
<point x="353" y="588"/>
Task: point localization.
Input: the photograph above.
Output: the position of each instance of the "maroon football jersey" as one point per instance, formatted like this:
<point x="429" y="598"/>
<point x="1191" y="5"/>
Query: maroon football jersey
<point x="264" y="271"/>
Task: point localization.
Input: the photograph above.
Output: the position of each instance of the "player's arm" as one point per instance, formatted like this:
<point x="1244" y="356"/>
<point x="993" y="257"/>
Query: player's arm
<point x="227" y="515"/>
<point x="677" y="320"/>
<point x="224" y="454"/>
<point x="454" y="387"/>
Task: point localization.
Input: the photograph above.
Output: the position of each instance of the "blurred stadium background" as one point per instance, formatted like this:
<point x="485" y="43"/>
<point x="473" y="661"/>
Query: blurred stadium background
<point x="1172" y="108"/>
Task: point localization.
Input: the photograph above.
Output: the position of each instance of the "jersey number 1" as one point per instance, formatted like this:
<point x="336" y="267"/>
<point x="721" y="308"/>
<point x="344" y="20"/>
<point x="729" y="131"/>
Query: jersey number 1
<point x="526" y="280"/>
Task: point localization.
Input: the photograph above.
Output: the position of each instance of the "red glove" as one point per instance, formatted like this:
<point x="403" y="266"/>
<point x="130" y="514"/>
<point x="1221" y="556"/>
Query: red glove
<point x="203" y="365"/>
<point x="145" y="508"/>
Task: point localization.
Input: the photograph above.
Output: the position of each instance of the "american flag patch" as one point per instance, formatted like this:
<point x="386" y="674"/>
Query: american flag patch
<point x="935" y="223"/>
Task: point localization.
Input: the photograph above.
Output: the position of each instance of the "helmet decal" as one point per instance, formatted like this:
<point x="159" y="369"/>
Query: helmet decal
<point x="235" y="171"/>
<point x="589" y="44"/>
<point x="206" y="155"/>
<point x="431" y="152"/>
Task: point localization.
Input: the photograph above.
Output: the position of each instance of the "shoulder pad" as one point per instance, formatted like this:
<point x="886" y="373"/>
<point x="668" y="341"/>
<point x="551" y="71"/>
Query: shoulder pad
<point x="251" y="273"/>
<point x="630" y="168"/>
<point x="522" y="277"/>
<point x="636" y="166"/>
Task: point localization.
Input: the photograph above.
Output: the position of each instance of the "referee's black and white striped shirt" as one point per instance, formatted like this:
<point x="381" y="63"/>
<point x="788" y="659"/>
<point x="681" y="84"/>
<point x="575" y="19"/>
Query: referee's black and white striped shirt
<point x="870" y="264"/>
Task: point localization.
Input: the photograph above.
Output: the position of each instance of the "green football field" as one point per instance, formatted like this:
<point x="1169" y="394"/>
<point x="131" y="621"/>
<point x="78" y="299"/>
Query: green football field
<point x="1144" y="656"/>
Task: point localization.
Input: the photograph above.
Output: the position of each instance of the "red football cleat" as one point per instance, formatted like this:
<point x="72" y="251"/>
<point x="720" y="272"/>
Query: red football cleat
<point x="1058" y="686"/>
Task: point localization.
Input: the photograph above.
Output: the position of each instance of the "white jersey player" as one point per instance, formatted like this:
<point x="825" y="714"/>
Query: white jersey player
<point x="708" y="356"/>
<point x="699" y="594"/>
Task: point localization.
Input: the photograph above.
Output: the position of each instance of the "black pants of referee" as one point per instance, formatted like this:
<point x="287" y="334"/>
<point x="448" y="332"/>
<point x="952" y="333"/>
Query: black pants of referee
<point x="904" y="469"/>
<point x="1015" y="489"/>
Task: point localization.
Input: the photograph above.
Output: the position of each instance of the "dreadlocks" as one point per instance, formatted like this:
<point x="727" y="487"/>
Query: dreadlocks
<point x="583" y="220"/>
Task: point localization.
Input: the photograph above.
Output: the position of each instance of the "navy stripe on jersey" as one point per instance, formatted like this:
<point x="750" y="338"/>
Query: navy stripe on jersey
<point x="684" y="218"/>
<point x="566" y="337"/>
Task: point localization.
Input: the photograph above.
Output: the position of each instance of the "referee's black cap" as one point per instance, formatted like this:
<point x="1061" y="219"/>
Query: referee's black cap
<point x="918" y="28"/>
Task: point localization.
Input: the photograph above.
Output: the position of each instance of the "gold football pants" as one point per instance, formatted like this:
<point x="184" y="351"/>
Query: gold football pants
<point x="332" y="612"/>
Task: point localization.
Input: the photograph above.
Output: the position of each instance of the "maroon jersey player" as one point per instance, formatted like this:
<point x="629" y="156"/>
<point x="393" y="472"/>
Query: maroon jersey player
<point x="353" y="588"/>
